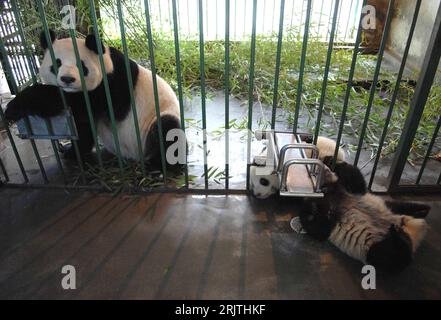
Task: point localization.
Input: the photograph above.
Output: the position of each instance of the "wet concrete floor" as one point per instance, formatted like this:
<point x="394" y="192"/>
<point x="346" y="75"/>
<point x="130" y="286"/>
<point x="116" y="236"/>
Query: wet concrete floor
<point x="168" y="246"/>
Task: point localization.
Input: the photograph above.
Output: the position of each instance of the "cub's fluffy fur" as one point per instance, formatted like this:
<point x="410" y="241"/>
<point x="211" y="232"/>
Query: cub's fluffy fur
<point x="364" y="226"/>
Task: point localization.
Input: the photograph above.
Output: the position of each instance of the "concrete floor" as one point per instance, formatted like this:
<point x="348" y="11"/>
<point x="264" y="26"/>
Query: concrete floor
<point x="169" y="246"/>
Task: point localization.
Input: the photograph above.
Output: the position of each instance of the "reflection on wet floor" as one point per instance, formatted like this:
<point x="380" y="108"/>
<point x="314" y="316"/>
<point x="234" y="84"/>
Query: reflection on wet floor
<point x="168" y="246"/>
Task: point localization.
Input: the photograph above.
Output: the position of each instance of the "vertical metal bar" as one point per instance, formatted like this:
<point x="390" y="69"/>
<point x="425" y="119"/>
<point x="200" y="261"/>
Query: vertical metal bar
<point x="179" y="79"/>
<point x="302" y="65"/>
<point x="155" y="90"/>
<point x="130" y="83"/>
<point x="216" y="21"/>
<point x="422" y="90"/>
<point x="274" y="14"/>
<point x="14" y="147"/>
<point x="5" y="173"/>
<point x="106" y="85"/>
<point x="338" y="22"/>
<point x="326" y="73"/>
<point x="320" y="17"/>
<point x="26" y="48"/>
<point x="203" y="94"/>
<point x="355" y="15"/>
<point x="348" y="90"/>
<point x="42" y="15"/>
<point x="188" y="17"/>
<point x="244" y="18"/>
<point x="429" y="150"/>
<point x="347" y="22"/>
<point x="251" y="90"/>
<point x="390" y="11"/>
<point x="34" y="80"/>
<point x="86" y="98"/>
<point x="292" y="12"/>
<point x="329" y="19"/>
<point x="9" y="74"/>
<point x="235" y="19"/>
<point x="227" y="93"/>
<point x="395" y="92"/>
<point x="278" y="56"/>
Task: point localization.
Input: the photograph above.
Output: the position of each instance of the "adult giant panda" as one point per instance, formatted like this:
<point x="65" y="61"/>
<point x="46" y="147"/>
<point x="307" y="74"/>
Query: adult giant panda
<point x="45" y="100"/>
<point x="378" y="232"/>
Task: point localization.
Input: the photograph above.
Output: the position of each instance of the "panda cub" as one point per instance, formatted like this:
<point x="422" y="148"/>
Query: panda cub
<point x="264" y="181"/>
<point x="381" y="233"/>
<point x="44" y="100"/>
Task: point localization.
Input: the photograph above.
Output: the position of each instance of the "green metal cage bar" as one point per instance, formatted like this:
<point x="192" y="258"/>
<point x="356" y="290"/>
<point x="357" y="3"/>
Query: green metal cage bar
<point x="22" y="36"/>
<point x="86" y="99"/>
<point x="429" y="151"/>
<point x="417" y="105"/>
<point x="5" y="174"/>
<point x="302" y="65"/>
<point x="106" y="85"/>
<point x="155" y="89"/>
<point x="179" y="79"/>
<point x="15" y="88"/>
<point x="14" y="147"/>
<point x="278" y="56"/>
<point x="130" y="83"/>
<point x="34" y="80"/>
<point x="389" y="16"/>
<point x="348" y="89"/>
<point x="227" y="93"/>
<point x="70" y="122"/>
<point x="6" y="29"/>
<point x="347" y="22"/>
<point x="395" y="92"/>
<point x="326" y="73"/>
<point x="203" y="93"/>
<point x="251" y="91"/>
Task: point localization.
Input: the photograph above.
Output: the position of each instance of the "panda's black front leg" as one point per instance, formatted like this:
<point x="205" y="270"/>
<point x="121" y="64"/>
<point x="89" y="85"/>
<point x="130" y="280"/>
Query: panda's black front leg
<point x="85" y="143"/>
<point x="349" y="176"/>
<point x="413" y="209"/>
<point x="39" y="99"/>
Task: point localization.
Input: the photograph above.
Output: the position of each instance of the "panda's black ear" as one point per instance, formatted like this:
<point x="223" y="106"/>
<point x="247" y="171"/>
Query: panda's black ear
<point x="43" y="41"/>
<point x="91" y="43"/>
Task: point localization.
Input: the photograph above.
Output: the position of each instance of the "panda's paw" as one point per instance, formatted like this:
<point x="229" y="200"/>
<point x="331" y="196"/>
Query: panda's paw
<point x="14" y="112"/>
<point x="68" y="152"/>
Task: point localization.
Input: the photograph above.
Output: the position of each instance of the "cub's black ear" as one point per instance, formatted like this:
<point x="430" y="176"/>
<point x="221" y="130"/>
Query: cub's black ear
<point x="91" y="43"/>
<point x="43" y="39"/>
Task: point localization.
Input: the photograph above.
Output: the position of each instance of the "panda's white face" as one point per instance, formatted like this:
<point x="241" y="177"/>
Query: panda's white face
<point x="263" y="182"/>
<point x="68" y="76"/>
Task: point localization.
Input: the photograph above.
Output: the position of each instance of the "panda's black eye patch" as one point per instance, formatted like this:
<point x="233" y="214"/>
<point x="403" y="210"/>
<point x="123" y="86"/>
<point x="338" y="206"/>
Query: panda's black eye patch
<point x="58" y="66"/>
<point x="85" y="70"/>
<point x="264" y="182"/>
